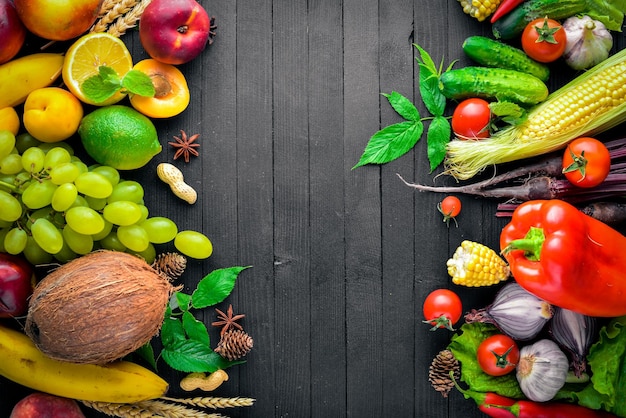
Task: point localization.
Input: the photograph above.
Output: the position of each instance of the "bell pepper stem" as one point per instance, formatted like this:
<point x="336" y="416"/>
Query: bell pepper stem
<point x="531" y="244"/>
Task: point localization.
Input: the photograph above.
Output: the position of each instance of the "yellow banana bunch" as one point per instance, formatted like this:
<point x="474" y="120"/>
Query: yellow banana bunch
<point x="20" y="76"/>
<point x="118" y="382"/>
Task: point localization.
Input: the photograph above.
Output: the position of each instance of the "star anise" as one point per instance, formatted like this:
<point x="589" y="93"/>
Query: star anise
<point x="185" y="145"/>
<point x="227" y="320"/>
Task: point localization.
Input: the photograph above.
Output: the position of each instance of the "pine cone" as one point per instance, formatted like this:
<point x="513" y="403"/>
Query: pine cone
<point x="170" y="265"/>
<point x="234" y="344"/>
<point x="439" y="372"/>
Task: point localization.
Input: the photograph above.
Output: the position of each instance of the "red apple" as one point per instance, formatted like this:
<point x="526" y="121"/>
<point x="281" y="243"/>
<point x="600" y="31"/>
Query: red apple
<point x="42" y="405"/>
<point x="16" y="285"/>
<point x="174" y="31"/>
<point x="58" y="20"/>
<point x="12" y="31"/>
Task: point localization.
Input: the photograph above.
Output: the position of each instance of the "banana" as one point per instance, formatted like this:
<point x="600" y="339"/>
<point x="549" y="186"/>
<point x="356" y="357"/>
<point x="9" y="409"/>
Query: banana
<point x="117" y="382"/>
<point x="22" y="75"/>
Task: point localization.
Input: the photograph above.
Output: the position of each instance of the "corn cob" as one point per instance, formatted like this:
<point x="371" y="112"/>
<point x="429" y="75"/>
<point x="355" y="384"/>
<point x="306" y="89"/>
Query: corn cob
<point x="591" y="103"/>
<point x="474" y="265"/>
<point x="479" y="9"/>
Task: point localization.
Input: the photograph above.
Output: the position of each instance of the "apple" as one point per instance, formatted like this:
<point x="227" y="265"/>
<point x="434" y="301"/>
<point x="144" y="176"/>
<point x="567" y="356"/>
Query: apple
<point x="16" y="285"/>
<point x="174" y="31"/>
<point x="12" y="31"/>
<point x="43" y="405"/>
<point x="58" y="20"/>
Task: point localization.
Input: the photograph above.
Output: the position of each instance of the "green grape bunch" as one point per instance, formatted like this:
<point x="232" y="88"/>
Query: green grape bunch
<point x="55" y="207"/>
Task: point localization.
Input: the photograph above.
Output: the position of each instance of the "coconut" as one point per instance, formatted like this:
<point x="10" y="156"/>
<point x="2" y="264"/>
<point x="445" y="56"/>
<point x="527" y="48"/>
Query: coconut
<point x="97" y="308"/>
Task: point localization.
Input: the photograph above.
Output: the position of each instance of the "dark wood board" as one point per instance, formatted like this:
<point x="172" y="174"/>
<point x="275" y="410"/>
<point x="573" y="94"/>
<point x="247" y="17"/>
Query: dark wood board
<point x="341" y="259"/>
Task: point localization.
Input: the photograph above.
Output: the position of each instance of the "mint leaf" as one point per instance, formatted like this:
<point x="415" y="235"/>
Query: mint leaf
<point x="97" y="89"/>
<point x="403" y="106"/>
<point x="215" y="287"/>
<point x="391" y="142"/>
<point x="109" y="75"/>
<point x="195" y="330"/>
<point x="438" y="136"/>
<point x="138" y="82"/>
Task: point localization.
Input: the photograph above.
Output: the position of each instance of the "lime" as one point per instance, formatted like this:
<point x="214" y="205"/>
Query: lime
<point x="119" y="136"/>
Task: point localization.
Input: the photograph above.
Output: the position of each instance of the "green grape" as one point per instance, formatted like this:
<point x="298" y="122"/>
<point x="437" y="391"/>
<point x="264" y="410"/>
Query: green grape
<point x="193" y="244"/>
<point x="149" y="254"/>
<point x="64" y="173"/>
<point x="33" y="159"/>
<point x="35" y="254"/>
<point x="78" y="243"/>
<point x="47" y="146"/>
<point x="38" y="194"/>
<point x="144" y="213"/>
<point x="94" y="185"/>
<point x="7" y="143"/>
<point x="64" y="197"/>
<point x="128" y="190"/>
<point x="10" y="207"/>
<point x="47" y="236"/>
<point x="96" y="203"/>
<point x="55" y="156"/>
<point x="15" y="241"/>
<point x="133" y="237"/>
<point x="82" y="167"/>
<point x="7" y="182"/>
<point x="109" y="172"/>
<point x="84" y="220"/>
<point x="11" y="164"/>
<point x="112" y="242"/>
<point x="80" y="201"/>
<point x="108" y="226"/>
<point x="122" y="212"/>
<point x="5" y="224"/>
<point x="66" y="254"/>
<point x="45" y="212"/>
<point x="25" y="141"/>
<point x="160" y="229"/>
<point x="3" y="234"/>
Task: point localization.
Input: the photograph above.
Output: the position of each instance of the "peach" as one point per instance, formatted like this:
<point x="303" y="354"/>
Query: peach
<point x="12" y="31"/>
<point x="43" y="405"/>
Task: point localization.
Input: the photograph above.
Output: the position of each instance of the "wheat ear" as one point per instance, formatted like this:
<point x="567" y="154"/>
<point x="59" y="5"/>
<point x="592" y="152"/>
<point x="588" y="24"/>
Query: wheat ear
<point x="213" y="402"/>
<point x="128" y="20"/>
<point x="112" y="10"/>
<point x="120" y="410"/>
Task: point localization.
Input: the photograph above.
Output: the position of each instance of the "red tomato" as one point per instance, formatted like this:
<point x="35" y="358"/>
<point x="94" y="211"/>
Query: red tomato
<point x="586" y="162"/>
<point x="450" y="207"/>
<point x="471" y="119"/>
<point x="498" y="355"/>
<point x="544" y="40"/>
<point x="442" y="309"/>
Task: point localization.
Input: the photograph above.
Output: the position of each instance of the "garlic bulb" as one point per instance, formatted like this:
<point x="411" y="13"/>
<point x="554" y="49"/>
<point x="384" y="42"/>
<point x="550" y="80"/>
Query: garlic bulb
<point x="542" y="370"/>
<point x="588" y="42"/>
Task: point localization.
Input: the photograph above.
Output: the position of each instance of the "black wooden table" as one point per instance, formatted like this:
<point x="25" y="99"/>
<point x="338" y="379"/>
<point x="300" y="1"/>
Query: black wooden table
<point x="285" y="101"/>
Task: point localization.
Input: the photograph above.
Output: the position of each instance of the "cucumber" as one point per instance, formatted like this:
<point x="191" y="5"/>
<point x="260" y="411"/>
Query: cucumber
<point x="493" y="83"/>
<point x="491" y="53"/>
<point x="512" y="24"/>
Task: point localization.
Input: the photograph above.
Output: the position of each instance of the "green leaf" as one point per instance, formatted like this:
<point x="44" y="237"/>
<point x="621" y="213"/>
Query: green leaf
<point x="391" y="143"/>
<point x="508" y="112"/>
<point x="437" y="137"/>
<point x="215" y="287"/>
<point x="109" y="75"/>
<point x="183" y="301"/>
<point x="425" y="59"/>
<point x="97" y="89"/>
<point x="146" y="352"/>
<point x="195" y="330"/>
<point x="172" y="330"/>
<point x="189" y="356"/>
<point x="138" y="82"/>
<point x="431" y="94"/>
<point x="403" y="106"/>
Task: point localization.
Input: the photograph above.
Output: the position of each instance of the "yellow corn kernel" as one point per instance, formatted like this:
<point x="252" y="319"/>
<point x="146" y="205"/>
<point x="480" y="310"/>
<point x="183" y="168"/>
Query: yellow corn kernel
<point x="479" y="9"/>
<point x="474" y="265"/>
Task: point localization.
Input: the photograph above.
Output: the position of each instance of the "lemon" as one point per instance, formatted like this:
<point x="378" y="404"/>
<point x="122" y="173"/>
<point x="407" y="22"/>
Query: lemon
<point x="119" y="136"/>
<point x="84" y="58"/>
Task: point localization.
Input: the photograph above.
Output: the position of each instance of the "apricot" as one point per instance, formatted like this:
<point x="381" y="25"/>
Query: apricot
<point x="172" y="93"/>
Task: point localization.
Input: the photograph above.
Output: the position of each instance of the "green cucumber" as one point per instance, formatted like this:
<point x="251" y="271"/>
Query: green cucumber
<point x="493" y="83"/>
<point x="491" y="53"/>
<point x="512" y="24"/>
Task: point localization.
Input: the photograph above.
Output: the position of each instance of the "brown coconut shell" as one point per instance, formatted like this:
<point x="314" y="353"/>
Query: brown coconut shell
<point x="97" y="308"/>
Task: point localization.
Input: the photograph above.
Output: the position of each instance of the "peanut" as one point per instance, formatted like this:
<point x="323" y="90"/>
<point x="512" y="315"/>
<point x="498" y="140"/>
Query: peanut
<point x="203" y="381"/>
<point x="174" y="178"/>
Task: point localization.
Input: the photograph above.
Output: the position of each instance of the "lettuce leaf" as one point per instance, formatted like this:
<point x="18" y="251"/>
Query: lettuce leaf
<point x="609" y="12"/>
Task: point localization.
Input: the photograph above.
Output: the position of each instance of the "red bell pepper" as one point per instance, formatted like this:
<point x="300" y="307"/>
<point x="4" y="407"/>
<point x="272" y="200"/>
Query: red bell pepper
<point x="567" y="258"/>
<point x="505" y="7"/>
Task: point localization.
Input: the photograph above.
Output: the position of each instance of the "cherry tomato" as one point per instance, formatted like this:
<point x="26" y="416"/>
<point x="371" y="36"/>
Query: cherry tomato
<point x="586" y="162"/>
<point x="442" y="309"/>
<point x="544" y="40"/>
<point x="450" y="207"/>
<point x="471" y="119"/>
<point x="498" y="355"/>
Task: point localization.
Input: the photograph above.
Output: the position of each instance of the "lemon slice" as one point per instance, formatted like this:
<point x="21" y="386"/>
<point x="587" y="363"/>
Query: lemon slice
<point x="87" y="54"/>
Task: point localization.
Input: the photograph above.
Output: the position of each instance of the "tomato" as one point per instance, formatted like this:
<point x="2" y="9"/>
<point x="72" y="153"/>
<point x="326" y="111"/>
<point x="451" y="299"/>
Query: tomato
<point x="586" y="162"/>
<point x="442" y="309"/>
<point x="498" y="355"/>
<point x="471" y="119"/>
<point x="544" y="40"/>
<point x="450" y="207"/>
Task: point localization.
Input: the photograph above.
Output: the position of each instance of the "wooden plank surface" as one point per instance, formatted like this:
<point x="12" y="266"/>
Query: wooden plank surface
<point x="341" y="259"/>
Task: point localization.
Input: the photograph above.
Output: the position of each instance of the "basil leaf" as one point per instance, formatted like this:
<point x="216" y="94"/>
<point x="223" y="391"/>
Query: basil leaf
<point x="437" y="137"/>
<point x="403" y="106"/>
<point x="391" y="142"/>
<point x="215" y="287"/>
